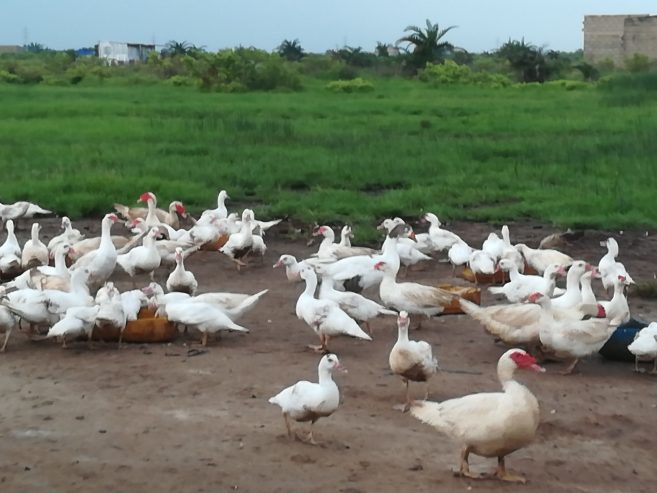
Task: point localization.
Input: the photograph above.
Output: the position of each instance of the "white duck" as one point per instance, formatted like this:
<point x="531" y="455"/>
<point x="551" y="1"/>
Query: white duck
<point x="144" y="258"/>
<point x="77" y="320"/>
<point x="325" y="317"/>
<point x="345" y="236"/>
<point x="644" y="347"/>
<point x="588" y="296"/>
<point x="489" y="424"/>
<point x="494" y="246"/>
<point x="35" y="253"/>
<point x="110" y="314"/>
<point x="292" y="267"/>
<point x="573" y="295"/>
<point x="481" y="262"/>
<point x="407" y="247"/>
<point x="138" y="226"/>
<point x="7" y="323"/>
<point x="358" y="272"/>
<point x="575" y="339"/>
<point x="38" y="277"/>
<point x="618" y="307"/>
<point x="151" y="218"/>
<point x="221" y="211"/>
<point x="440" y="239"/>
<point x="329" y="249"/>
<point x="516" y="324"/>
<point x="101" y="261"/>
<point x="205" y="317"/>
<point x="521" y="285"/>
<point x="307" y="401"/>
<point x="20" y="210"/>
<point x="509" y="252"/>
<point x="355" y="305"/>
<point x="411" y="360"/>
<point x="459" y="254"/>
<point x="46" y="307"/>
<point x="540" y="259"/>
<point x="180" y="279"/>
<point x="10" y="252"/>
<point x="411" y="297"/>
<point x="234" y="305"/>
<point x="609" y="268"/>
<point x="69" y="236"/>
<point x="520" y="323"/>
<point x="240" y="244"/>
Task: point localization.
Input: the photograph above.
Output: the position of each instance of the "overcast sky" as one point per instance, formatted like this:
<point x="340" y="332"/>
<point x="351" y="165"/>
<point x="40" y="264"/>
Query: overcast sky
<point x="319" y="24"/>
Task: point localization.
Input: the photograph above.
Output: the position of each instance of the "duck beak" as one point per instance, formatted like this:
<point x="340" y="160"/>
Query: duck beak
<point x="277" y="264"/>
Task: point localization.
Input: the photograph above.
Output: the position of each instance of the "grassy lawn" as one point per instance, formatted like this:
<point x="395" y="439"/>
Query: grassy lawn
<point x="579" y="157"/>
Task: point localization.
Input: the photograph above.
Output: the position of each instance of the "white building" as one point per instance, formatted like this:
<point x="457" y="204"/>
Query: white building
<point x="114" y="52"/>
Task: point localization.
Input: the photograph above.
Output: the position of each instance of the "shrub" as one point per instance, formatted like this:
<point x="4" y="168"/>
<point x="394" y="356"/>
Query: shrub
<point x="9" y="78"/>
<point x="180" y="80"/>
<point x="451" y="73"/>
<point x="637" y="63"/>
<point x="348" y="86"/>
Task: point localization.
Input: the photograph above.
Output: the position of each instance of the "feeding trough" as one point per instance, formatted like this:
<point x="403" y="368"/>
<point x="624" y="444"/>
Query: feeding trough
<point x="466" y="292"/>
<point x="616" y="347"/>
<point x="147" y="328"/>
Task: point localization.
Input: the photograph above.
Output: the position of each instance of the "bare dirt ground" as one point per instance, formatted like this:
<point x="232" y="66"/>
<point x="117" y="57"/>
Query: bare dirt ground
<point x="153" y="418"/>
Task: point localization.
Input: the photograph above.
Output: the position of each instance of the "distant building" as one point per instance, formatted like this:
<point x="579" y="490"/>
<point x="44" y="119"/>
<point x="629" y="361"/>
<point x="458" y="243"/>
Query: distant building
<point x="619" y="37"/>
<point x="114" y="52"/>
<point x="11" y="49"/>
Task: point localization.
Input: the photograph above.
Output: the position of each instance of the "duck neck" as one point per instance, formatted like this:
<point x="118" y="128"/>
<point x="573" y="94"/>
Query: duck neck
<point x="79" y="285"/>
<point x="329" y="238"/>
<point x="180" y="265"/>
<point x="612" y="249"/>
<point x="311" y="286"/>
<point x="35" y="233"/>
<point x="60" y="261"/>
<point x="505" y="372"/>
<point x="618" y="292"/>
<point x="324" y="376"/>
<point x="505" y="235"/>
<point x="402" y="333"/>
<point x="11" y="236"/>
<point x="326" y="287"/>
<point x="105" y="238"/>
<point x="572" y="281"/>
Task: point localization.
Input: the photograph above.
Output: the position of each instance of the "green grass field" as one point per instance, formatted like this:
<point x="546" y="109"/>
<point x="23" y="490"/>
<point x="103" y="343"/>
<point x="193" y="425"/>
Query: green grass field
<point x="573" y="158"/>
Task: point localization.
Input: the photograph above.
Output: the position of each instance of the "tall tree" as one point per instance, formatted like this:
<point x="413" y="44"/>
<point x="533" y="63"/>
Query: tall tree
<point x="177" y="48"/>
<point x="529" y="62"/>
<point x="427" y="45"/>
<point x="290" y="50"/>
<point x="381" y="49"/>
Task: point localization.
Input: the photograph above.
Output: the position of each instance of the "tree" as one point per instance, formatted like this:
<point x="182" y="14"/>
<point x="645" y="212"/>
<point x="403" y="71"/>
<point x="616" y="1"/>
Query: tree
<point x="427" y="45"/>
<point x="529" y="62"/>
<point x="381" y="49"/>
<point x="35" y="48"/>
<point x="290" y="50"/>
<point x="178" y="48"/>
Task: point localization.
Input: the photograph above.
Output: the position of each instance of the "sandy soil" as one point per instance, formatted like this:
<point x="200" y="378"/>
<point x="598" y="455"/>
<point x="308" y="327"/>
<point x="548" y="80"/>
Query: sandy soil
<point x="153" y="417"/>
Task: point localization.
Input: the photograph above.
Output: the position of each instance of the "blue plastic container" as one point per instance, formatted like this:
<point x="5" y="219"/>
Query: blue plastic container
<point x="616" y="347"/>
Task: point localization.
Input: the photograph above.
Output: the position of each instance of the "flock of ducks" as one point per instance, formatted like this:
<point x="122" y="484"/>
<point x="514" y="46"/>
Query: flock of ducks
<point x="77" y="295"/>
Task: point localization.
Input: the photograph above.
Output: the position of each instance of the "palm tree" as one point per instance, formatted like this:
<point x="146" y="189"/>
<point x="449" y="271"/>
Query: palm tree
<point x="381" y="49"/>
<point x="176" y="48"/>
<point x="35" y="48"/>
<point x="426" y="45"/>
<point x="528" y="61"/>
<point x="290" y="50"/>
